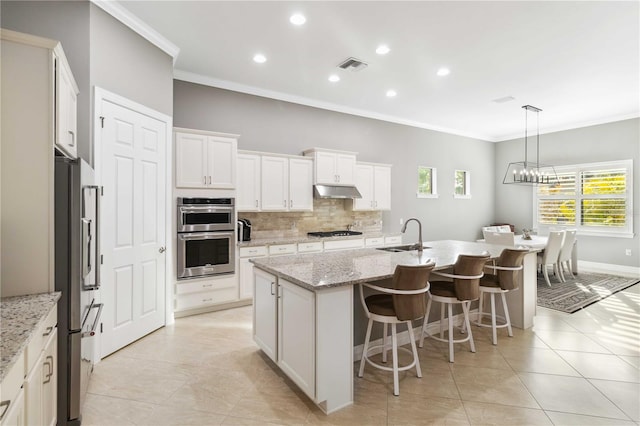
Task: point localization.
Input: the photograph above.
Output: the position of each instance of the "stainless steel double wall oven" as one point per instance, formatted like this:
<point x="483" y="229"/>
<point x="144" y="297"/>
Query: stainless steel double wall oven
<point x="206" y="237"/>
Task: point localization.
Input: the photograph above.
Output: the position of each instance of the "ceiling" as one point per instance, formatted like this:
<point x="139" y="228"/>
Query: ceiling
<point x="577" y="61"/>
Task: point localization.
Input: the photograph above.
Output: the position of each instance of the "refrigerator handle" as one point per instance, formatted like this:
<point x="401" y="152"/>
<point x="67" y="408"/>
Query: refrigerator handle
<point x="86" y="244"/>
<point x="97" y="236"/>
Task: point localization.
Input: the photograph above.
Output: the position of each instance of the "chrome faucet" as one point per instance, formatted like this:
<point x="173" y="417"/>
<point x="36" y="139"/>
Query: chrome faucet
<point x="419" y="244"/>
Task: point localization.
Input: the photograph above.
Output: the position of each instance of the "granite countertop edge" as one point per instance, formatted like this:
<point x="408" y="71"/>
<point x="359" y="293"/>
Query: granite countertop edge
<point x="306" y="239"/>
<point x="20" y="318"/>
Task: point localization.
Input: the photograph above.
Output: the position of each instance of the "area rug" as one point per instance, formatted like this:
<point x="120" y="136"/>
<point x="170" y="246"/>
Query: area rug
<point x="580" y="291"/>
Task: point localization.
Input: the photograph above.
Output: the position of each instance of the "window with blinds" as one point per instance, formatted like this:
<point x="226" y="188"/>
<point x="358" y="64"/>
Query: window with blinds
<point x="592" y="198"/>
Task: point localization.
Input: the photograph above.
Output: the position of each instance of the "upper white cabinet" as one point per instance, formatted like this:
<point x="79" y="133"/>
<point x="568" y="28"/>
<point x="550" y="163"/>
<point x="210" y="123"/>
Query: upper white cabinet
<point x="205" y="159"/>
<point x="66" y="109"/>
<point x="38" y="113"/>
<point x="248" y="183"/>
<point x="268" y="182"/>
<point x="374" y="183"/>
<point x="333" y="167"/>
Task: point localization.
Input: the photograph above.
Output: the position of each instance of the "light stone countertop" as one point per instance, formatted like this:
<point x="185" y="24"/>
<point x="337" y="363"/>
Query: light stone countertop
<point x="20" y="317"/>
<point x="348" y="267"/>
<point x="305" y="239"/>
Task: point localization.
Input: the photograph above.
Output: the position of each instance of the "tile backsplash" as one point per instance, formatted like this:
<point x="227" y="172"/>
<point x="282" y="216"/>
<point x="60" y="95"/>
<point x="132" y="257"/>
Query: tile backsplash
<point x="327" y="215"/>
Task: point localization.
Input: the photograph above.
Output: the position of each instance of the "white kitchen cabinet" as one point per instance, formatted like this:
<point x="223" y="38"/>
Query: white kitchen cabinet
<point x="205" y="292"/>
<point x="334" y="245"/>
<point x="265" y="319"/>
<point x="333" y="167"/>
<point x="50" y="382"/>
<point x="248" y="183"/>
<point x="300" y="184"/>
<point x="296" y="335"/>
<point x="246" y="269"/>
<point x="286" y="183"/>
<point x="374" y="242"/>
<point x="393" y="240"/>
<point x="38" y="112"/>
<point x="205" y="159"/>
<point x="311" y="247"/>
<point x="374" y="183"/>
<point x="66" y="110"/>
<point x="14" y="416"/>
<point x="275" y="183"/>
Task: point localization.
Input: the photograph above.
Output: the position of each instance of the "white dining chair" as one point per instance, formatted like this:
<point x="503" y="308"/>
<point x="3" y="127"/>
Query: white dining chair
<point x="501" y="238"/>
<point x="564" y="259"/>
<point x="550" y="255"/>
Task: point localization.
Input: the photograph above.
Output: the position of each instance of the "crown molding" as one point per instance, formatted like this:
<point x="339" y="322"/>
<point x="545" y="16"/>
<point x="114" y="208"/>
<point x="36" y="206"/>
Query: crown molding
<point x="257" y="91"/>
<point x="123" y="15"/>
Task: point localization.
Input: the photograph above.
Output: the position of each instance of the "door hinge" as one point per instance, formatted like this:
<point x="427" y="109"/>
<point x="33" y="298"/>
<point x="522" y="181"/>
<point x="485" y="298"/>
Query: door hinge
<point x="102" y="121"/>
<point x="101" y="329"/>
<point x="102" y="259"/>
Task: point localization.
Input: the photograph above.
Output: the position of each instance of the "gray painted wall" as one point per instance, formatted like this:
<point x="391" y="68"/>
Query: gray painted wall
<point x="124" y="63"/>
<point x="613" y="141"/>
<point x="276" y="126"/>
<point x="68" y="22"/>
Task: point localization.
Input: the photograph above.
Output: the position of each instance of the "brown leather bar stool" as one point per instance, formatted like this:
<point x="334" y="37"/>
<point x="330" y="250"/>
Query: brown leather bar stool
<point x="402" y="302"/>
<point x="464" y="288"/>
<point x="506" y="277"/>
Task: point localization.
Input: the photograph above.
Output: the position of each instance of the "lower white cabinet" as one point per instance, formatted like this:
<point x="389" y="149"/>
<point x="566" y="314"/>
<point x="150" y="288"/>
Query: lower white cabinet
<point x="296" y="335"/>
<point x="343" y="244"/>
<point x="265" y="320"/>
<point x="201" y="293"/>
<point x="14" y="416"/>
<point x="246" y="269"/>
<point x="284" y="327"/>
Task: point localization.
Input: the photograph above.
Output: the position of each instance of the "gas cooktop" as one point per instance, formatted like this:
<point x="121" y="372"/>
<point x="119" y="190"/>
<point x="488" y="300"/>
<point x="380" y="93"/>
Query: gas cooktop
<point x="342" y="233"/>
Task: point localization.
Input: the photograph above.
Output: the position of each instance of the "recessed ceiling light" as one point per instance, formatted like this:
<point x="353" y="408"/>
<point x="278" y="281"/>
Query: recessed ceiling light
<point x="443" y="71"/>
<point x="334" y="78"/>
<point x="297" y="19"/>
<point x="391" y="93"/>
<point x="259" y="58"/>
<point x="383" y="49"/>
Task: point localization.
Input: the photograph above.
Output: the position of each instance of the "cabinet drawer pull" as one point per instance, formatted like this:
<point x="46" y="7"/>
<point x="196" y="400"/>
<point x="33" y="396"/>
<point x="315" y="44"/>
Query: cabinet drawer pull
<point x="207" y="300"/>
<point x="207" y="285"/>
<point x="47" y="332"/>
<point x="4" y="404"/>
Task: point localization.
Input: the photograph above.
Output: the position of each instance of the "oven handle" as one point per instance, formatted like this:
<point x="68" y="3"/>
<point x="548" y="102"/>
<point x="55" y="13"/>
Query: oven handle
<point x="205" y="236"/>
<point x="199" y="209"/>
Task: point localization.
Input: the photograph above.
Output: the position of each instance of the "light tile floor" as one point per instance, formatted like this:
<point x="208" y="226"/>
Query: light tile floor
<point x="579" y="369"/>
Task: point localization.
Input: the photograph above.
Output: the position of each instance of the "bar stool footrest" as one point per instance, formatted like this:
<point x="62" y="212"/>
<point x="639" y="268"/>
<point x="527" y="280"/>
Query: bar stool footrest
<point x="384" y="367"/>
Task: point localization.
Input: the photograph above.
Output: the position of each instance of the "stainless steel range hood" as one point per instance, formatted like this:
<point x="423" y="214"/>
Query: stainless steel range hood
<point x="334" y="191"/>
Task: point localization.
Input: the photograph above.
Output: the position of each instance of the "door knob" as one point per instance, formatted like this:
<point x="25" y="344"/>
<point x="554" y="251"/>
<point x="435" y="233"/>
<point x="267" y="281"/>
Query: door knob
<point x="161" y="249"/>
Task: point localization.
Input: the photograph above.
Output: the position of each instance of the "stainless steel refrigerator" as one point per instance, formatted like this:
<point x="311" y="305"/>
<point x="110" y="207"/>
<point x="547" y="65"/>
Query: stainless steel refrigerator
<point x="77" y="276"/>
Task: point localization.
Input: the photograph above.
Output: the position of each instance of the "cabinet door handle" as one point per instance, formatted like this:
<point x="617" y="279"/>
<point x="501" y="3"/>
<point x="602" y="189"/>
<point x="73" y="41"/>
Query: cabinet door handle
<point x="47" y="332"/>
<point x="205" y="180"/>
<point x="256" y="203"/>
<point x="209" y="180"/>
<point x="73" y="138"/>
<point x="272" y="293"/>
<point x="4" y="404"/>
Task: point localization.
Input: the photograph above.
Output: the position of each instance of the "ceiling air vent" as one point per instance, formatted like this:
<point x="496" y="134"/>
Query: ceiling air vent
<point x="352" y="64"/>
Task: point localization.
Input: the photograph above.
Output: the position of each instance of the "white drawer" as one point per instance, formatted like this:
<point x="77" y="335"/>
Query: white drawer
<point x="344" y="244"/>
<point x="393" y="241"/>
<point x="187" y="287"/>
<point x="197" y="300"/>
<point x="13" y="381"/>
<point x="40" y="337"/>
<point x="257" y="251"/>
<point x="282" y="249"/>
<point x="374" y="242"/>
<point x="316" y="246"/>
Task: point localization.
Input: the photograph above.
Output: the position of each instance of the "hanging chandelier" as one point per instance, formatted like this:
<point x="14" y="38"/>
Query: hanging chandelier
<point x="529" y="172"/>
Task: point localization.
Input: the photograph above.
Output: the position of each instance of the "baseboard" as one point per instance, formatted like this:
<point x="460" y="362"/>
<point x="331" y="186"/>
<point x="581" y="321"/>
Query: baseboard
<point x="212" y="308"/>
<point x="403" y="336"/>
<point x="609" y="268"/>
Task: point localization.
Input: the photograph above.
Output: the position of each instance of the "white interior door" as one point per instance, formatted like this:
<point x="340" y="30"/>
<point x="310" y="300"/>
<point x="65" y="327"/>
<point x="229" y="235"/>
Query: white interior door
<point x="133" y="168"/>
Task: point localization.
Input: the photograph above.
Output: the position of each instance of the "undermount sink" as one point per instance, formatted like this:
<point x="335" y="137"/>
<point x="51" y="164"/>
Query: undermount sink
<point x="398" y="249"/>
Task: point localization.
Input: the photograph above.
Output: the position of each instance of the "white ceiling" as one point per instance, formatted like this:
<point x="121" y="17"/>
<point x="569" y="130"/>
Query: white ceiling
<point x="578" y="61"/>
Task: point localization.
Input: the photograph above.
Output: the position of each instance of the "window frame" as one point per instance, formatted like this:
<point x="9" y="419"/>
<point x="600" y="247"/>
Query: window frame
<point x="434" y="183"/>
<point x="467" y="184"/>
<point x="578" y="197"/>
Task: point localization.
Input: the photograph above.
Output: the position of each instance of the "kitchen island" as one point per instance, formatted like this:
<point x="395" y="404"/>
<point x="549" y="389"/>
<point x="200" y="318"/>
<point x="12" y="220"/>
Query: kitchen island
<point x="304" y="312"/>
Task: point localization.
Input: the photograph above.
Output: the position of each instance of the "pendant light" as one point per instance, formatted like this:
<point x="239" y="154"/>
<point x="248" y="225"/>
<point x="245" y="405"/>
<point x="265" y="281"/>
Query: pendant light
<point x="529" y="172"/>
